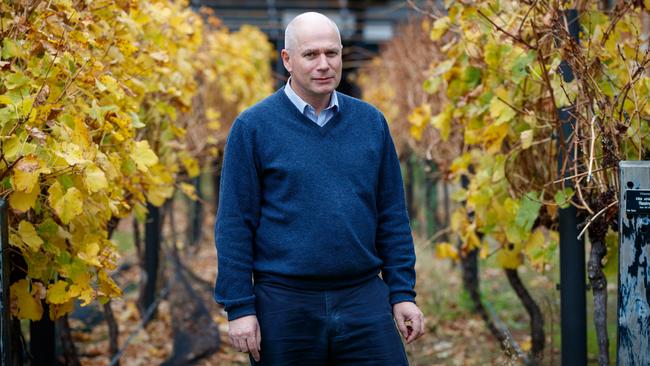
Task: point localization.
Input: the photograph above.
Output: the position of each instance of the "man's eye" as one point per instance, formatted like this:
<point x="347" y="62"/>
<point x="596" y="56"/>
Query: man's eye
<point x="310" y="55"/>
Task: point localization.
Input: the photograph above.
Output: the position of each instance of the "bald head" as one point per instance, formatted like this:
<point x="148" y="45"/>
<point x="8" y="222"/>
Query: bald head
<point x="304" y="22"/>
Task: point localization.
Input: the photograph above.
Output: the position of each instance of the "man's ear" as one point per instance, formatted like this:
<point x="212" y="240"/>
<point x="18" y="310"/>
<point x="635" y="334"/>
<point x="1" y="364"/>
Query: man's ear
<point x="285" y="59"/>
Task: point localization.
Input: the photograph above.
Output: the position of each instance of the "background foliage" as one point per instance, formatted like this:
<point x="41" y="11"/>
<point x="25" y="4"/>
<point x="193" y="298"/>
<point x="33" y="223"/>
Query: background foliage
<point x="96" y="102"/>
<point x="497" y="75"/>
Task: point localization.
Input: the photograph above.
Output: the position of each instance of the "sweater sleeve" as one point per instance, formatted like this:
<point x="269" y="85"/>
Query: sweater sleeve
<point x="237" y="219"/>
<point x="393" y="240"/>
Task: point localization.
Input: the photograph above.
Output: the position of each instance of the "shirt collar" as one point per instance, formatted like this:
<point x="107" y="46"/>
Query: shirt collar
<point x="302" y="105"/>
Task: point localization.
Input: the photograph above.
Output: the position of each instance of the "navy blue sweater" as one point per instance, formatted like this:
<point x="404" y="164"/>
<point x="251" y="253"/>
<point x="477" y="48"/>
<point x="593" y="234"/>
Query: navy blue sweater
<point x="310" y="207"/>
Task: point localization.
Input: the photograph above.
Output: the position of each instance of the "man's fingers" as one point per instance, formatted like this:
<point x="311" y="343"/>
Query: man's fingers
<point x="417" y="326"/>
<point x="422" y="324"/>
<point x="402" y="327"/>
<point x="258" y="338"/>
<point x="251" y="342"/>
<point x="243" y="346"/>
<point x="415" y="329"/>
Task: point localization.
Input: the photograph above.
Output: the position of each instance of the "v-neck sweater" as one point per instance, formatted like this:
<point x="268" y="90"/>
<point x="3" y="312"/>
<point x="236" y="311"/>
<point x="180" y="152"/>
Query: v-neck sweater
<point x="310" y="207"/>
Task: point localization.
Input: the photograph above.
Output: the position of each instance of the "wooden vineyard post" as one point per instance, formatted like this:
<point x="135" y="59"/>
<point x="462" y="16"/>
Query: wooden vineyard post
<point x="633" y="343"/>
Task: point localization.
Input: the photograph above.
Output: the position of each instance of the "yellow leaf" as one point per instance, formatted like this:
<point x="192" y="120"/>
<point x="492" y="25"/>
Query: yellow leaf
<point x="88" y="253"/>
<point x="59" y="310"/>
<point x="458" y="220"/>
<point x="29" y="235"/>
<point x="509" y="258"/>
<point x="493" y="136"/>
<point x="16" y="241"/>
<point x="446" y="250"/>
<point x="26" y="173"/>
<point x="95" y="178"/>
<point x="86" y="296"/>
<point x="189" y="190"/>
<point x="213" y="116"/>
<point x="80" y="135"/>
<point x="143" y="156"/>
<point x="108" y="287"/>
<point x="499" y="110"/>
<point x="109" y="83"/>
<point x="55" y="194"/>
<point x="418" y="119"/>
<point x="440" y="27"/>
<point x="22" y="201"/>
<point x="140" y="212"/>
<point x="12" y="147"/>
<point x="24" y="304"/>
<point x="179" y="132"/>
<point x="159" y="193"/>
<point x="109" y="256"/>
<point x="471" y="240"/>
<point x="57" y="293"/>
<point x="535" y="248"/>
<point x="192" y="166"/>
<point x="71" y="153"/>
<point x="443" y="122"/>
<point x="484" y="252"/>
<point x="67" y="205"/>
<point x="461" y="163"/>
<point x="536" y="240"/>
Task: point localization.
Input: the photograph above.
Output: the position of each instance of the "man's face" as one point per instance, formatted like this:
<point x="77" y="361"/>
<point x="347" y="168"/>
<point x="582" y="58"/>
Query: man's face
<point x="315" y="64"/>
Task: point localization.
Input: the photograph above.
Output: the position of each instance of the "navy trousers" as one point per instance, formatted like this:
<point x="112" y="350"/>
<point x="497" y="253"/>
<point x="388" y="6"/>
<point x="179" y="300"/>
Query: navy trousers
<point x="350" y="326"/>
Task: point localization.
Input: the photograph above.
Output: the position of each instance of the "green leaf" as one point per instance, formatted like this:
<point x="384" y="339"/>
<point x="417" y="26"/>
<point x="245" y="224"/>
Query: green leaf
<point x="472" y="77"/>
<point x="528" y="210"/>
<point x="494" y="53"/>
<point x="563" y="197"/>
<point x="15" y="80"/>
<point x="519" y="66"/>
<point x="66" y="181"/>
<point x="11" y="48"/>
<point x="432" y="84"/>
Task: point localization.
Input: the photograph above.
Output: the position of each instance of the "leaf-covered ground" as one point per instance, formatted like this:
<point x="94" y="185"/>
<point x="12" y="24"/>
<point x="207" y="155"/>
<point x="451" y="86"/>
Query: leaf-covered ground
<point x="454" y="335"/>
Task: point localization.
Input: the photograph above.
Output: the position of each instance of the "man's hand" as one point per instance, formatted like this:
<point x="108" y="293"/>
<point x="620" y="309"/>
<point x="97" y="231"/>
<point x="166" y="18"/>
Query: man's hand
<point x="410" y="320"/>
<point x="245" y="335"/>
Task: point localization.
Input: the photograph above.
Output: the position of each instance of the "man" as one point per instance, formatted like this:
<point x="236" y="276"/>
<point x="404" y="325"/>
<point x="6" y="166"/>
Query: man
<point x="311" y="210"/>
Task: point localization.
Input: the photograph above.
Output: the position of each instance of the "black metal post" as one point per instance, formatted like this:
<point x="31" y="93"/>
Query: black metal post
<point x="573" y="298"/>
<point x="42" y="339"/>
<point x="151" y="254"/>
<point x="277" y="37"/>
<point x="196" y="215"/>
<point x="432" y="199"/>
<point x="572" y="250"/>
<point x="5" y="315"/>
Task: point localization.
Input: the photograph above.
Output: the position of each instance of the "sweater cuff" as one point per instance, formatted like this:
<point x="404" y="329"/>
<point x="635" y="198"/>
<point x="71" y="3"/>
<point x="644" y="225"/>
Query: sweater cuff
<point x="240" y="311"/>
<point x="398" y="297"/>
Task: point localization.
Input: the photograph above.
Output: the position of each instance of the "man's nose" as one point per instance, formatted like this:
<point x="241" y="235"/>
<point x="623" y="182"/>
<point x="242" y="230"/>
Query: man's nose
<point x="322" y="62"/>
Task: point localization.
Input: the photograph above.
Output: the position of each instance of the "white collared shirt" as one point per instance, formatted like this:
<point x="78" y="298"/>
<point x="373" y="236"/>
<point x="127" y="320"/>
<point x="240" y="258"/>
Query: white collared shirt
<point x="323" y="117"/>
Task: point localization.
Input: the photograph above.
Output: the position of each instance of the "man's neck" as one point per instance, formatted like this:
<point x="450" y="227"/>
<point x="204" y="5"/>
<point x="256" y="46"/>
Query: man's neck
<point x="317" y="102"/>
